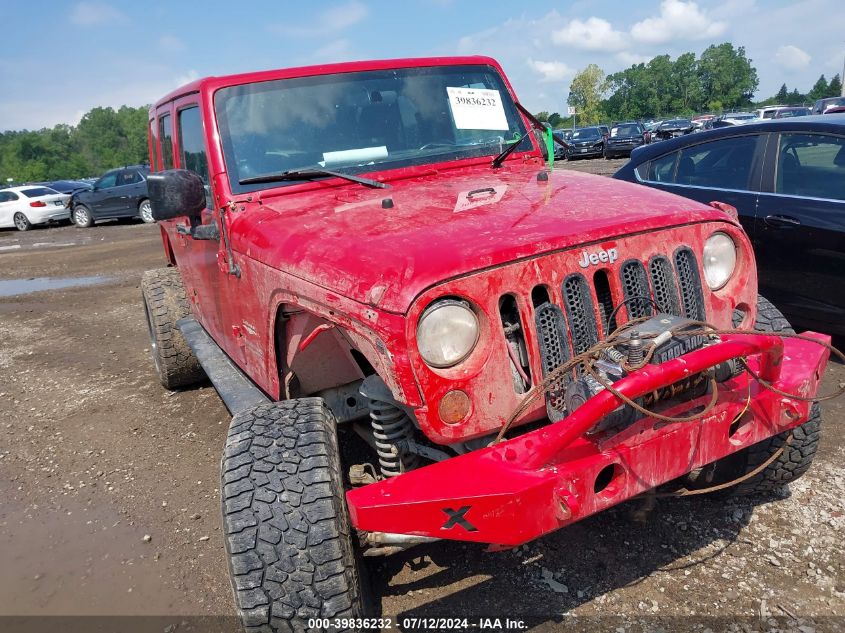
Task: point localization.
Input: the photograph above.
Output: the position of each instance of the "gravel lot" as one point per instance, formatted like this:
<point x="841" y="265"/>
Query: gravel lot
<point x="110" y="499"/>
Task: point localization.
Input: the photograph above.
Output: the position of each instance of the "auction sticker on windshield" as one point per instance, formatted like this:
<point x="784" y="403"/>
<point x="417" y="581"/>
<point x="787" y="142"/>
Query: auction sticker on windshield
<point x="477" y="109"/>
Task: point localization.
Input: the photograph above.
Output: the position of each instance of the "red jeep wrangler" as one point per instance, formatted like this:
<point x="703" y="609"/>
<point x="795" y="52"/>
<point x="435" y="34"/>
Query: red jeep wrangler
<point x="423" y="331"/>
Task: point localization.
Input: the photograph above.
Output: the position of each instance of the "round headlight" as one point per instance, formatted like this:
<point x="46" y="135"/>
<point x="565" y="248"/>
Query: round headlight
<point x="719" y="260"/>
<point x="447" y="333"/>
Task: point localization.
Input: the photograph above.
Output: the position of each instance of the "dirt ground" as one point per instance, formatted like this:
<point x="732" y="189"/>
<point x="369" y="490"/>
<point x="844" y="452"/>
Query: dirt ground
<point x="109" y="488"/>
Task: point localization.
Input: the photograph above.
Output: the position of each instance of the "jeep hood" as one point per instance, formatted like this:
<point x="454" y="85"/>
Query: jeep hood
<point x="446" y="224"/>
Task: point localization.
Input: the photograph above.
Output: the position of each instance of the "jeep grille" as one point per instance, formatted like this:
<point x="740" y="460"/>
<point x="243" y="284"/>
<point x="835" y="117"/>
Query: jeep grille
<point x="675" y="291"/>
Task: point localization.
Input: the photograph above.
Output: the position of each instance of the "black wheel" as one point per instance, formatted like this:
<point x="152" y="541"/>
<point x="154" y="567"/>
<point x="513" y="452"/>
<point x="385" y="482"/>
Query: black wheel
<point x="145" y="212"/>
<point x="795" y="459"/>
<point x="288" y="538"/>
<point x="82" y="217"/>
<point x="22" y="223"/>
<point x="164" y="304"/>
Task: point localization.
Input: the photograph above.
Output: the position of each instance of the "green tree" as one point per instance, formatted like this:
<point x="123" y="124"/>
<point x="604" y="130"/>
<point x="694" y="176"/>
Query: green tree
<point x="586" y="94"/>
<point x="728" y="78"/>
<point x="834" y="88"/>
<point x="104" y="138"/>
<point x="782" y="95"/>
<point x="543" y="116"/>
<point x="819" y="89"/>
<point x="795" y="98"/>
<point x="555" y="119"/>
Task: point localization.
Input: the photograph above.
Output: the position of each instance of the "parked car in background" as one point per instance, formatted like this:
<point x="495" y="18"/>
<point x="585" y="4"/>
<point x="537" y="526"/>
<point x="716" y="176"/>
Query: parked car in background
<point x="624" y="137"/>
<point x="23" y="207"/>
<point x="769" y="111"/>
<point x="119" y="193"/>
<point x="792" y="111"/>
<point x="565" y="138"/>
<point x="674" y="127"/>
<point x="786" y="177"/>
<point x="823" y="105"/>
<point x="835" y="110"/>
<point x="738" y="118"/>
<point x="586" y="142"/>
<point x="66" y="186"/>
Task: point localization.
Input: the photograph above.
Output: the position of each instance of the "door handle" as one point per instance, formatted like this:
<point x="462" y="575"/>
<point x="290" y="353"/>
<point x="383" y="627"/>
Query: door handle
<point x="782" y="221"/>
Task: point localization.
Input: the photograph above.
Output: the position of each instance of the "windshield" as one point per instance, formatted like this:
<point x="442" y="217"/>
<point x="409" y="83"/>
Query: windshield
<point x="365" y="121"/>
<point x="586" y="134"/>
<point x="630" y="129"/>
<point x="677" y="123"/>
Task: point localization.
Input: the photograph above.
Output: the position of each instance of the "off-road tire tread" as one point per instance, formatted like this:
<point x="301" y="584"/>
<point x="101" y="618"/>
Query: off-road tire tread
<point x="164" y="293"/>
<point x="798" y="456"/>
<point x="285" y="521"/>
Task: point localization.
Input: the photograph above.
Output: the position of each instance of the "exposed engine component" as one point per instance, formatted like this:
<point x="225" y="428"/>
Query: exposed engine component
<point x="659" y="339"/>
<point x="392" y="428"/>
<point x="517" y="351"/>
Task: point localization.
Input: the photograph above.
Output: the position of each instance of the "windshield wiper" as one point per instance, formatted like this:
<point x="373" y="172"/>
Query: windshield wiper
<point x="310" y="173"/>
<point x="501" y="156"/>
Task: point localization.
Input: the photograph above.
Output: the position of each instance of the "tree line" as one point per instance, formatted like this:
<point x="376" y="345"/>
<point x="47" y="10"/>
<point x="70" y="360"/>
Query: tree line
<point x="103" y="139"/>
<point x="722" y="79"/>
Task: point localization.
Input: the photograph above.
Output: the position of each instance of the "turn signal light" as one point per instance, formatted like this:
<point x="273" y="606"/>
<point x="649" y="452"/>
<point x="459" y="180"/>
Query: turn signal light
<point x="454" y="407"/>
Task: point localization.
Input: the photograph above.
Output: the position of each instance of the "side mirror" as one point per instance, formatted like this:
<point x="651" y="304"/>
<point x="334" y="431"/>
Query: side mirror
<point x="175" y="193"/>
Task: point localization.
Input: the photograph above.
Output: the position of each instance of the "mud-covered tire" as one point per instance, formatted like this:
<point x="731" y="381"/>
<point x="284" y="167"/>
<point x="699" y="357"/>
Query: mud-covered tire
<point x="288" y="537"/>
<point x="165" y="303"/>
<point x="796" y="458"/>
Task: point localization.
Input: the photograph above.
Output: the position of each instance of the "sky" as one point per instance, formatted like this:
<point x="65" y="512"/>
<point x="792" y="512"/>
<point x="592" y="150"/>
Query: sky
<point x="58" y="59"/>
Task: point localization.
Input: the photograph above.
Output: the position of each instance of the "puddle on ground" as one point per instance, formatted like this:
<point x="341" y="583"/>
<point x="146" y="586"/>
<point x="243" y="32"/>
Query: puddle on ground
<point x="12" y="287"/>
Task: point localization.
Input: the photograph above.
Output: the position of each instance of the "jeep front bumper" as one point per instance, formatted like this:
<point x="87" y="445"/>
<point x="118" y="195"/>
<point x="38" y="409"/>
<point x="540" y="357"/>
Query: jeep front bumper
<point x="522" y="488"/>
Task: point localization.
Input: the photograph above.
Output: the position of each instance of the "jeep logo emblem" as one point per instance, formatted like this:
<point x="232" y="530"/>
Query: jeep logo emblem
<point x="602" y="257"/>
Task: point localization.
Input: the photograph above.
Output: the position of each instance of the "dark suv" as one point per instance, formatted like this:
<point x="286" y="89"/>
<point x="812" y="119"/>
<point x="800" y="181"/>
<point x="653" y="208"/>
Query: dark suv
<point x="624" y="137"/>
<point x="119" y="193"/>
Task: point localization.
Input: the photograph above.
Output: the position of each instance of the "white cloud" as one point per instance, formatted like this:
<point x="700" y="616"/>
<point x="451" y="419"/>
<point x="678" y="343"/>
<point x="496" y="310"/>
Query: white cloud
<point x="337" y="50"/>
<point x="95" y="14"/>
<point x="328" y="22"/>
<point x="792" y="58"/>
<point x="594" y="34"/>
<point x="678" y="20"/>
<point x="550" y="71"/>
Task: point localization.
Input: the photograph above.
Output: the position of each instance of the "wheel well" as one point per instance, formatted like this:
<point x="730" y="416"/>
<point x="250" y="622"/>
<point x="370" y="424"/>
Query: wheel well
<point x="314" y="354"/>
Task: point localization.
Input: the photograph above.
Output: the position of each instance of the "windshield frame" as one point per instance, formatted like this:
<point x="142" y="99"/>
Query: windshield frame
<point x="479" y="153"/>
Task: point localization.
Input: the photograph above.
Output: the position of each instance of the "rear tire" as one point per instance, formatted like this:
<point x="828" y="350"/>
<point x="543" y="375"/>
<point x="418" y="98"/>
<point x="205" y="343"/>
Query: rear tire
<point x="81" y="216"/>
<point x="795" y="459"/>
<point x="22" y="222"/>
<point x="164" y="304"/>
<point x="285" y="521"/>
<point x="145" y="212"/>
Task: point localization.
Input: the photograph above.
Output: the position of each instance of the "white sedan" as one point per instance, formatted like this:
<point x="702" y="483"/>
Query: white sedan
<point x="21" y="207"/>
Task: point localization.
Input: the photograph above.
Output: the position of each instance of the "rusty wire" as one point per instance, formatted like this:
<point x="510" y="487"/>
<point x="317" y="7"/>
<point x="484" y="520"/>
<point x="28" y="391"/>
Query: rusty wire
<point x="588" y="358"/>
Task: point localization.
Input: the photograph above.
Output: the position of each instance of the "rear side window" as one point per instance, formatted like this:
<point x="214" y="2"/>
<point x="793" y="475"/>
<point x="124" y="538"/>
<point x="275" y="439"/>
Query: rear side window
<point x="165" y="137"/>
<point x="663" y="169"/>
<point x="8" y="196"/>
<point x="129" y="177"/>
<point x="811" y="165"/>
<point x="722" y="164"/>
<point x="37" y="192"/>
<point x="191" y="146"/>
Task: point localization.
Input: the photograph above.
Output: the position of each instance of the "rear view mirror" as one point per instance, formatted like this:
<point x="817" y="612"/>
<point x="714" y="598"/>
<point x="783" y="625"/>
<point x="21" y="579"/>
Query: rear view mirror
<point x="175" y="193"/>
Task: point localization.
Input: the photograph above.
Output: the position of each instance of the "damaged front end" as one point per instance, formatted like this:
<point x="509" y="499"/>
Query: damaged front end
<point x="580" y="379"/>
<point x="519" y="489"/>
